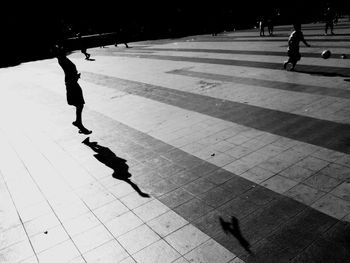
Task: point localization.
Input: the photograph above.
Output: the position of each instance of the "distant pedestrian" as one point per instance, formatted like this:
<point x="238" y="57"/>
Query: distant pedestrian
<point x="73" y="90"/>
<point x="121" y="38"/>
<point x="262" y="27"/>
<point x="83" y="47"/>
<point x="215" y="26"/>
<point x="329" y="17"/>
<point x="293" y="46"/>
<point x="101" y="40"/>
<point x="270" y="26"/>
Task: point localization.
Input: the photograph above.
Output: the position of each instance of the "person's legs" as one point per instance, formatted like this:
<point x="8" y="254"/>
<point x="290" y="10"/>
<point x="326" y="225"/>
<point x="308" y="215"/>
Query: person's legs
<point x="294" y="63"/>
<point x="87" y="55"/>
<point x="286" y="62"/>
<point x="78" y="121"/>
<point x="290" y="56"/>
<point x="294" y="60"/>
<point x="78" y="113"/>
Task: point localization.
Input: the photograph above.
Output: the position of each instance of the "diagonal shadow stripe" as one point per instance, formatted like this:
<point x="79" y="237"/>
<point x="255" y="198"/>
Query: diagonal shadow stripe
<point x="316" y="27"/>
<point x="243" y="52"/>
<point x="287" y="34"/>
<point x="266" y="39"/>
<point x="324" y="47"/>
<point x="319" y="27"/>
<point x="321" y="70"/>
<point x="331" y="92"/>
<point x="327" y="134"/>
<point x="265" y="217"/>
<point x="304" y="27"/>
<point x="263" y="214"/>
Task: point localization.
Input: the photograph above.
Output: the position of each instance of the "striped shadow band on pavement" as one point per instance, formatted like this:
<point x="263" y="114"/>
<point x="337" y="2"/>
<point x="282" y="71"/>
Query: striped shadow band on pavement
<point x="331" y="92"/>
<point x="242" y="52"/>
<point x="327" y="134"/>
<point x="270" y="222"/>
<point x="283" y="34"/>
<point x="320" y="27"/>
<point x="228" y="39"/>
<point x="275" y="226"/>
<point x="329" y="71"/>
<point x="315" y="27"/>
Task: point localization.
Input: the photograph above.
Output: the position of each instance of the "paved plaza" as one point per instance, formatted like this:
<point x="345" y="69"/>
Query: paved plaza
<point x="232" y="159"/>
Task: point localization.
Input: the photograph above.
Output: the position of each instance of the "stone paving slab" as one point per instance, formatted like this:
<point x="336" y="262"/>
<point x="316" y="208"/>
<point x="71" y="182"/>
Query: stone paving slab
<point x="229" y="177"/>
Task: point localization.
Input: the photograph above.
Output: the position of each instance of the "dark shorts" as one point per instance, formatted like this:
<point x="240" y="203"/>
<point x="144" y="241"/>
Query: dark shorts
<point x="74" y="94"/>
<point x="294" y="55"/>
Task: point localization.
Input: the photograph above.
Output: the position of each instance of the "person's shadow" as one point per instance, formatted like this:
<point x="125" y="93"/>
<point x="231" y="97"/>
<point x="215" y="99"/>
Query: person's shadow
<point x="119" y="166"/>
<point x="233" y="228"/>
<point x="322" y="73"/>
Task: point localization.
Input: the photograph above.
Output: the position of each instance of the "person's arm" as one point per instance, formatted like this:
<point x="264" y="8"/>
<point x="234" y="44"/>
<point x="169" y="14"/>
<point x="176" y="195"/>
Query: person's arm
<point x="306" y="44"/>
<point x="290" y="39"/>
<point x="304" y="41"/>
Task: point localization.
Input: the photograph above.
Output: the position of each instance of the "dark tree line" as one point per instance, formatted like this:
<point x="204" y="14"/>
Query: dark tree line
<point x="29" y="31"/>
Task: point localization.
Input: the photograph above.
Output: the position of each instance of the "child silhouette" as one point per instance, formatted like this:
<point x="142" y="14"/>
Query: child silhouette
<point x="293" y="46"/>
<point x="74" y="91"/>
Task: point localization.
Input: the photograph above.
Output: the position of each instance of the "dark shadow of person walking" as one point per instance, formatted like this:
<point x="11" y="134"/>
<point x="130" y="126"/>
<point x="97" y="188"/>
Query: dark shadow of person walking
<point x="119" y="166"/>
<point x="233" y="228"/>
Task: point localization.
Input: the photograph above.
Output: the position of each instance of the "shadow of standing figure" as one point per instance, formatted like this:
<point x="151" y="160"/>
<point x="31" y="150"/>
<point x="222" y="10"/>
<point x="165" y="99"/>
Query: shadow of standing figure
<point x="119" y="166"/>
<point x="73" y="90"/>
<point x="233" y="228"/>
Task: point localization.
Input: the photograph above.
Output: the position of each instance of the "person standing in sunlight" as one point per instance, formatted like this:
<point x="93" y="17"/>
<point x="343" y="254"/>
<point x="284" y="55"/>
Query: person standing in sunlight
<point x="73" y="89"/>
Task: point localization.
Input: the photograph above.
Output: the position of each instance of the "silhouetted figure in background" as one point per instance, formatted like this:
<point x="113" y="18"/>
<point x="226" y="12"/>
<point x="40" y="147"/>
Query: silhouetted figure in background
<point x="233" y="228"/>
<point x="118" y="165"/>
<point x="262" y="27"/>
<point x="270" y="26"/>
<point x="293" y="46"/>
<point x="74" y="91"/>
<point x="329" y="17"/>
<point x="83" y="47"/>
<point x="215" y="25"/>
<point x="101" y="39"/>
<point x="121" y="38"/>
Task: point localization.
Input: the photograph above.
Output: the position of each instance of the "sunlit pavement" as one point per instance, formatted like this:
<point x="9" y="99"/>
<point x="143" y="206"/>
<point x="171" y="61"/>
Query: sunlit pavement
<point x="232" y="158"/>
